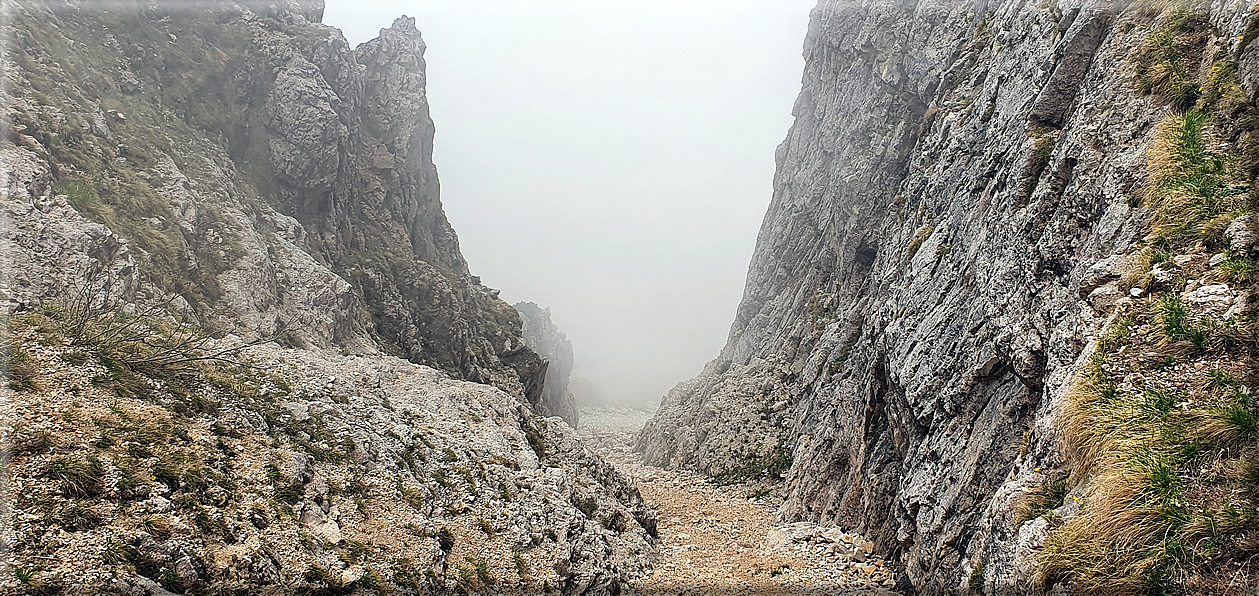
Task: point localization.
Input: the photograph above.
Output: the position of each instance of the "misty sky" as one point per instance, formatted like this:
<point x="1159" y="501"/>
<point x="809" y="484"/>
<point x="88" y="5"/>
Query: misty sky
<point x="610" y="160"/>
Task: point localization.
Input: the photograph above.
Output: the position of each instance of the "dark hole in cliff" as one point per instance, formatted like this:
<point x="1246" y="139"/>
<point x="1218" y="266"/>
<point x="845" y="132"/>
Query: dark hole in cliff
<point x="1056" y="266"/>
<point x="866" y="254"/>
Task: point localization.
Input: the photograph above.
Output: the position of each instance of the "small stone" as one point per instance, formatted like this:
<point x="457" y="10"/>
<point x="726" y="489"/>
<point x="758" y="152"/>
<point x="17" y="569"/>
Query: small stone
<point x="1100" y="273"/>
<point x="312" y="515"/>
<point x="187" y="572"/>
<point x="1161" y="276"/>
<point x="1214" y="296"/>
<point x="1241" y="234"/>
<point x="158" y="504"/>
<point x="1104" y="297"/>
<point x="299" y="411"/>
<point x="1239" y="306"/>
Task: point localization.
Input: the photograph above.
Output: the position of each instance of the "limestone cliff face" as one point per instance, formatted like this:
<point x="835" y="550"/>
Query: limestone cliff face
<point x="543" y="337"/>
<point x="920" y="291"/>
<point x="243" y="156"/>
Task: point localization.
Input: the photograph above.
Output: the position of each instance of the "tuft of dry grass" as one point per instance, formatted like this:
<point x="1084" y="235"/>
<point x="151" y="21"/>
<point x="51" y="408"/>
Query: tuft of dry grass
<point x="1190" y="183"/>
<point x="1235" y="423"/>
<point x="1042" y="500"/>
<point x="1168" y="55"/>
<point x="79" y="477"/>
<point x="915" y="243"/>
<point x="22" y="370"/>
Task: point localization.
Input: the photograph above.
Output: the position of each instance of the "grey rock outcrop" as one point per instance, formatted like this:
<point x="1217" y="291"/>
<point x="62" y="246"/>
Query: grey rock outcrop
<point x="917" y="300"/>
<point x="306" y="132"/>
<point x="1242" y="235"/>
<point x="543" y="337"/>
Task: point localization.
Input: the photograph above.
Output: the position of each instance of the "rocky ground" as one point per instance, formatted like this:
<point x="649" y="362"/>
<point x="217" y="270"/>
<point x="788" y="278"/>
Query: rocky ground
<point x="289" y="471"/>
<point x="724" y="538"/>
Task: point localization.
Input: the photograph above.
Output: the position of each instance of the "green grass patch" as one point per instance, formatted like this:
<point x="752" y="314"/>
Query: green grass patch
<point x="1192" y="182"/>
<point x="1177" y="323"/>
<point x="771" y="465"/>
<point x="1237" y="270"/>
<point x="975" y="583"/>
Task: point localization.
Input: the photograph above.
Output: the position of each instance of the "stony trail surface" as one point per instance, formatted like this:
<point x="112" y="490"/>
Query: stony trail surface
<point x="714" y="539"/>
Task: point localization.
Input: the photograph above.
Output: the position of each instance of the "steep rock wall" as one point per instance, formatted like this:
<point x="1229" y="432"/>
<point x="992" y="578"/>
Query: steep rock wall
<point x="543" y="337"/>
<point x="943" y="205"/>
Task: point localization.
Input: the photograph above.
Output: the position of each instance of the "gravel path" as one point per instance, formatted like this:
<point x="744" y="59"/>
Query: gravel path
<point x="715" y="540"/>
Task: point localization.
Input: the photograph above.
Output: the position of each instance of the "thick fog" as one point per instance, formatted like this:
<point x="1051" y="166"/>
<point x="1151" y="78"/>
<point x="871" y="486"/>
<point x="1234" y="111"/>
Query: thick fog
<point x="610" y="160"/>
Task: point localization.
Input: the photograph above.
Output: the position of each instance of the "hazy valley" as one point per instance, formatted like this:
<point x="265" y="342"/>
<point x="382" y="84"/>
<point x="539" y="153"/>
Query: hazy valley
<point x="998" y="333"/>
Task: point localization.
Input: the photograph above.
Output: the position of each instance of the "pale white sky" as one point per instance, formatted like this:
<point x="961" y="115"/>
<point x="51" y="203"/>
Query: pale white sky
<point x="610" y="160"/>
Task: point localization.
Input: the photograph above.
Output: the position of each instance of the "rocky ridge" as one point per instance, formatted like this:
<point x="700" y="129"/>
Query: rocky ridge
<point x="298" y="470"/>
<point x="244" y="158"/>
<point x="244" y="351"/>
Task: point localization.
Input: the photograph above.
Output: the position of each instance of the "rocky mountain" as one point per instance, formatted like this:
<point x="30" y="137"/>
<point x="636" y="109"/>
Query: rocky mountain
<point x="245" y="158"/>
<point x="970" y="196"/>
<point x="243" y="350"/>
<point x="544" y="338"/>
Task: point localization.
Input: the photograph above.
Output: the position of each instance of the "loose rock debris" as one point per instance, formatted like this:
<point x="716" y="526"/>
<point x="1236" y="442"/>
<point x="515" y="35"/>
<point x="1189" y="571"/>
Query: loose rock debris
<point x="716" y="539"/>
